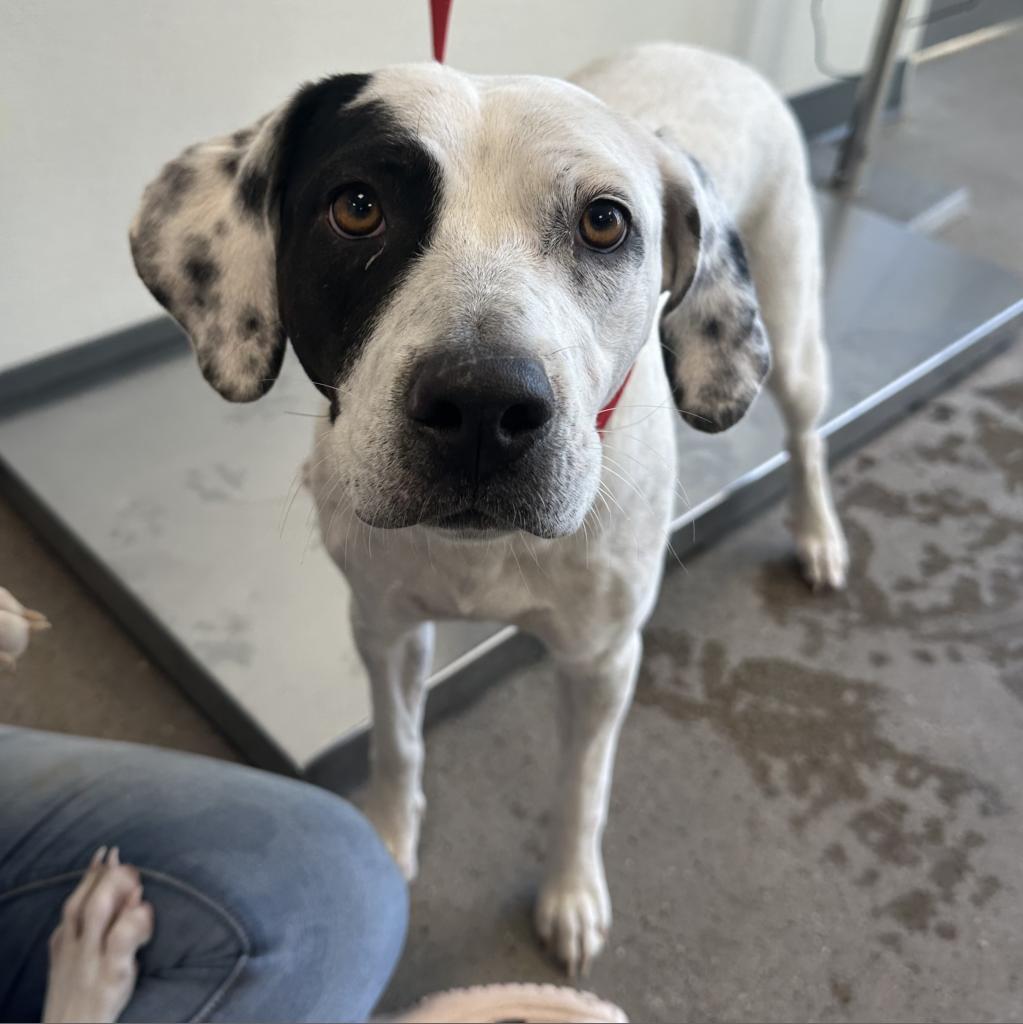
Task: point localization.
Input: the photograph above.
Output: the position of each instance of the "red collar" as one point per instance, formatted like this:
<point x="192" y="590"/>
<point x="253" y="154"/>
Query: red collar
<point x="604" y="415"/>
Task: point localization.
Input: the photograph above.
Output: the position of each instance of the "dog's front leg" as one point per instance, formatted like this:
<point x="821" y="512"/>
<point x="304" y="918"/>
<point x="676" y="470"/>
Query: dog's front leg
<point x="398" y="658"/>
<point x="573" y="911"/>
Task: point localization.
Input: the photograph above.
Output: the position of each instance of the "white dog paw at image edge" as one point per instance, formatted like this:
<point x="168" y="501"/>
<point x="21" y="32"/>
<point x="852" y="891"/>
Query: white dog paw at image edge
<point x="17" y="624"/>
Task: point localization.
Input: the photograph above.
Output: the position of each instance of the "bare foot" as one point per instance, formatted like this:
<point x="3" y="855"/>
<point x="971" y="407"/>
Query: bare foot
<point x="92" y="952"/>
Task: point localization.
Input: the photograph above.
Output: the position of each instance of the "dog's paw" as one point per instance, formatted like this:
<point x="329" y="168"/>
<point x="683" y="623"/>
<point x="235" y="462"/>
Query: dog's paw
<point x="17" y="624"/>
<point x="397" y="819"/>
<point x="823" y="554"/>
<point x="573" y="917"/>
<point x="93" y="966"/>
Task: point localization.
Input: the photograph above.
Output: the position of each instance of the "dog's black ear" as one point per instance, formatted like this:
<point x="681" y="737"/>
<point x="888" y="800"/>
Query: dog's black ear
<point x="204" y="242"/>
<point x="715" y="346"/>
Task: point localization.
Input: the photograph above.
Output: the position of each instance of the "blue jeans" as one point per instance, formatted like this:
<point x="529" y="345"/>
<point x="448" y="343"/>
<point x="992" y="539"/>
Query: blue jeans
<point x="273" y="900"/>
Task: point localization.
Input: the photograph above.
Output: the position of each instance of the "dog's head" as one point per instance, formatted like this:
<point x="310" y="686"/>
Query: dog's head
<point x="466" y="267"/>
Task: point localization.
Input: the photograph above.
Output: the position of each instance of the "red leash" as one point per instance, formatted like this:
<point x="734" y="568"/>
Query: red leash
<point x="440" y="18"/>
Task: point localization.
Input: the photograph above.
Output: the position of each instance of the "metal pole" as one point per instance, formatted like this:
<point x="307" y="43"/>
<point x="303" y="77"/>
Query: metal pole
<point x="870" y="97"/>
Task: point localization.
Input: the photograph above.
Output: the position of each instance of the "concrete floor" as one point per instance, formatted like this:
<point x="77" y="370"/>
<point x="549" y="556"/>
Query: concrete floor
<point x="814" y="812"/>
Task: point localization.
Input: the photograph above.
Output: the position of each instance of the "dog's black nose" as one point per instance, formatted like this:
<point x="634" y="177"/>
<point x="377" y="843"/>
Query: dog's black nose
<point x="482" y="414"/>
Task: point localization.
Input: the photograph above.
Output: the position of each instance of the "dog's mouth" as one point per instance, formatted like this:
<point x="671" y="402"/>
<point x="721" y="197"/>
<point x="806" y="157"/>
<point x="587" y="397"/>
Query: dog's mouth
<point x="468" y="520"/>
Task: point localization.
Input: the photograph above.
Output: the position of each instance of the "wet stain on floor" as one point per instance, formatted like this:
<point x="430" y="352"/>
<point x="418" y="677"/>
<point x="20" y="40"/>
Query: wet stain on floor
<point x="816" y="740"/>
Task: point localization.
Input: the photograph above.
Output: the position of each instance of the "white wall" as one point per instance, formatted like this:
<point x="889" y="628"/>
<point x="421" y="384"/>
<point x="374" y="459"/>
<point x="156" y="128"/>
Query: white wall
<point x="95" y="96"/>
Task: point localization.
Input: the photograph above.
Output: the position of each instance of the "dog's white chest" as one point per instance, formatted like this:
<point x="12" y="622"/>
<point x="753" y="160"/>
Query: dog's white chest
<point x="494" y="581"/>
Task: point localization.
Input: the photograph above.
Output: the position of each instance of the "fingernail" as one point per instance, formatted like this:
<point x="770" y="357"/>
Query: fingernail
<point x="114" y="857"/>
<point x="98" y="856"/>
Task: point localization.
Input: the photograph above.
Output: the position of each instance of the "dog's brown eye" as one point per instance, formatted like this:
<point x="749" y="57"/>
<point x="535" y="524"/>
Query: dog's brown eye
<point x="356" y="212"/>
<point x="604" y="225"/>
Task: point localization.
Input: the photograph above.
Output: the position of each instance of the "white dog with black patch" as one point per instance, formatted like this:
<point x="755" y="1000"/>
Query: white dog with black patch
<point x="471" y="269"/>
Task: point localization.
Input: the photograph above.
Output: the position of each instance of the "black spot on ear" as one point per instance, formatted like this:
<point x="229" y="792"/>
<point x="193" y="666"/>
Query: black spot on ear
<point x="252" y="189"/>
<point x="251" y="323"/>
<point x="229" y="165"/>
<point x="175" y="182"/>
<point x="745" y="326"/>
<point x="712" y="328"/>
<point x="178" y="178"/>
<point x="738" y="255"/>
<point x="201" y="271"/>
<point x="220" y="228"/>
<point x="693" y="222"/>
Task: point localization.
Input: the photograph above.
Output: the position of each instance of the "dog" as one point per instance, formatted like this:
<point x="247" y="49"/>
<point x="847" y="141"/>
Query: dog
<point x="505" y="288"/>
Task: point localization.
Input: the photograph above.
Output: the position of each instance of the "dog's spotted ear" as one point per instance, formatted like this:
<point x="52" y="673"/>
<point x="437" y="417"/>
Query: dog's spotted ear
<point x="204" y="242"/>
<point x="715" y="346"/>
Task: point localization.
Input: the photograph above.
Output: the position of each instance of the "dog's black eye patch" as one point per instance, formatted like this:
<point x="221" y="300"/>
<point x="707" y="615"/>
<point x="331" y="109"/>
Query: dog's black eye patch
<point x="329" y="287"/>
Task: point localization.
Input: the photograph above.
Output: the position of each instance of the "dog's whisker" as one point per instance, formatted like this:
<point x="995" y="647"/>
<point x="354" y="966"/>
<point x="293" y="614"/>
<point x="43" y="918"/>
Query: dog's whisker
<point x="295" y="486"/>
<point x="628" y="480"/>
<point x="618" y="470"/>
<point x="518" y="564"/>
<point x="289" y="499"/>
<point x="567" y="348"/>
<point x="330" y="524"/>
<point x="628" y="520"/>
<point x="315" y="516"/>
<point x="603" y="498"/>
<point x="654" y="409"/>
<point x="680" y="491"/>
<point x="635" y="423"/>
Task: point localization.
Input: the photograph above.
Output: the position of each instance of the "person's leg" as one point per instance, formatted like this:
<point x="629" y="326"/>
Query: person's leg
<point x="273" y="900"/>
